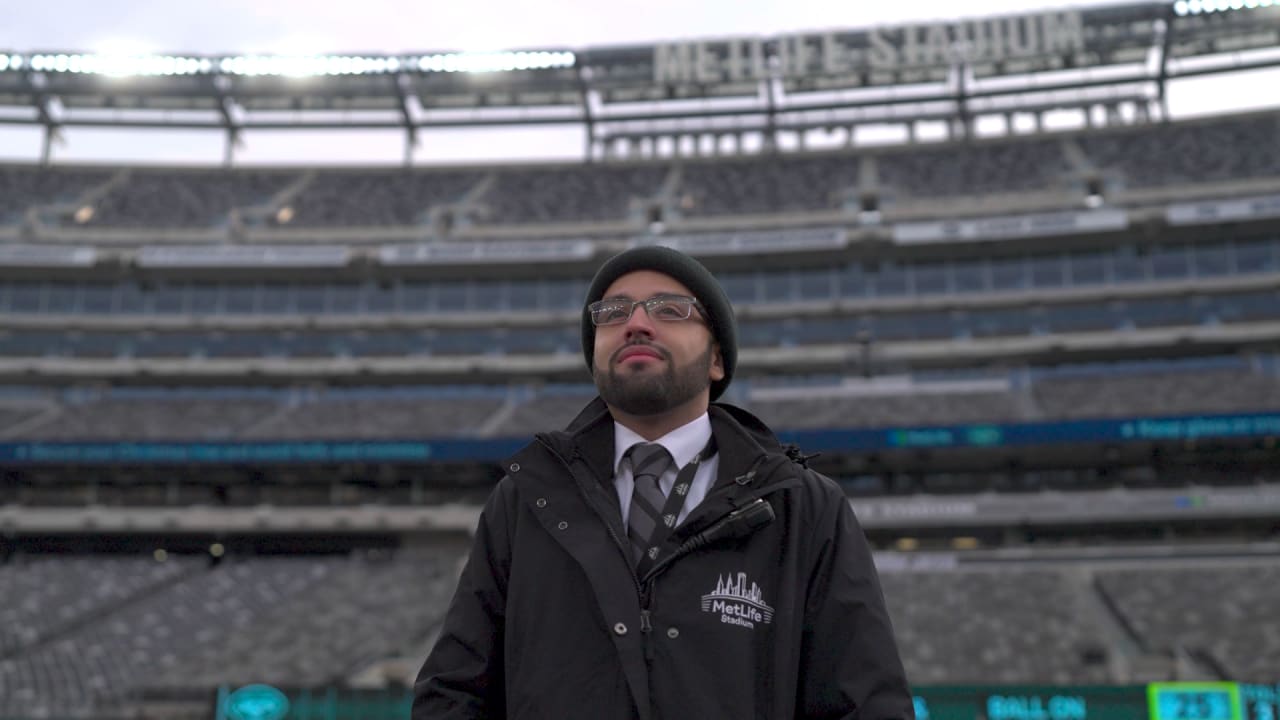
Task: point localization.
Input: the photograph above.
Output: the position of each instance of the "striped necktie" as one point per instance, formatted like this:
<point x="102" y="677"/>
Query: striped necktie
<point x="648" y="462"/>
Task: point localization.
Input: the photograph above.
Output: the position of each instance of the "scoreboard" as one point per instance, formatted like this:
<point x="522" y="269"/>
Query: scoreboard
<point x="1156" y="701"/>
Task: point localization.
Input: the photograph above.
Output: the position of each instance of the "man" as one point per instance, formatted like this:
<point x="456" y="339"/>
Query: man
<point x="709" y="575"/>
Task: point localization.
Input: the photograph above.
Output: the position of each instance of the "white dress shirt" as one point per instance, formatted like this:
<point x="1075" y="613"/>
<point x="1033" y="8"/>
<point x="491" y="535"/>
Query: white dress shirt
<point x="684" y="443"/>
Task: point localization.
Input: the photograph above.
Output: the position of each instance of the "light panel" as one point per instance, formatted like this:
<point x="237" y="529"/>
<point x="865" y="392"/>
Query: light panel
<point x="494" y="61"/>
<point x="287" y="65"/>
<point x="1198" y="7"/>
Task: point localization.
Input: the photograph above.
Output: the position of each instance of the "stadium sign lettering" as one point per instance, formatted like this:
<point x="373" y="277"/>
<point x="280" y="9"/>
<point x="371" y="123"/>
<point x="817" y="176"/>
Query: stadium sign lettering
<point x="1035" y="707"/>
<point x="1198" y="427"/>
<point x="980" y="40"/>
<point x="1267" y="206"/>
<point x="920" y="509"/>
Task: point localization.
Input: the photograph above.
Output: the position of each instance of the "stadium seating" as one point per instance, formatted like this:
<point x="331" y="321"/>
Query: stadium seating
<point x="544" y="411"/>
<point x="79" y="633"/>
<point x="1217" y="150"/>
<point x="127" y="625"/>
<point x="396" y="413"/>
<point x="1224" y="609"/>
<point x="1203" y="151"/>
<point x="785" y="184"/>
<point x="184" y="198"/>
<point x="570" y="194"/>
<point x="46" y="596"/>
<point x="485" y="338"/>
<point x="962" y="279"/>
<point x="1014" y="625"/>
<point x="1214" y="385"/>
<point x="975" y="169"/>
<point x="13" y="414"/>
<point x="288" y="619"/>
<point x="160" y="416"/>
<point x="264" y="415"/>
<point x="1159" y="393"/>
<point x="891" y="410"/>
<point x="371" y="607"/>
<point x="23" y="188"/>
<point x="375" y="198"/>
<point x="1043" y="623"/>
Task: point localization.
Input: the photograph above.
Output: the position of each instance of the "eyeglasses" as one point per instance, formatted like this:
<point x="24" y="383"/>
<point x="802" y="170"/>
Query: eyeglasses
<point x="668" y="308"/>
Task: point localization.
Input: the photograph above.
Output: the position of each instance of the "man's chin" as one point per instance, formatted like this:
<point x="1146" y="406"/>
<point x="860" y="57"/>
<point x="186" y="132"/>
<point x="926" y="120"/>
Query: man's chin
<point x="642" y="407"/>
<point x="635" y="395"/>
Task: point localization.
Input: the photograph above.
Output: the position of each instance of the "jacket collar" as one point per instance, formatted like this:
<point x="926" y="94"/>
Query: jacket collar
<point x="744" y="442"/>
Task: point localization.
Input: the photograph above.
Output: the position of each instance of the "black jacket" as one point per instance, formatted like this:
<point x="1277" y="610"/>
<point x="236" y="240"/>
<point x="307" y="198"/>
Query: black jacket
<point x="744" y="616"/>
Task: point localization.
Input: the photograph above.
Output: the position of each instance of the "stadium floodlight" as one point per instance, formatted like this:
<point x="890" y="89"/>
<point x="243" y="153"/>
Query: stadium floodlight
<point x="126" y="65"/>
<point x="308" y="65"/>
<point x="486" y="62"/>
<point x="117" y="65"/>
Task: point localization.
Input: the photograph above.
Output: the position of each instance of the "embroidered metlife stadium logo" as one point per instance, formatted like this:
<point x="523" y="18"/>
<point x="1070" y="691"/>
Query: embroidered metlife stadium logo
<point x="737" y="603"/>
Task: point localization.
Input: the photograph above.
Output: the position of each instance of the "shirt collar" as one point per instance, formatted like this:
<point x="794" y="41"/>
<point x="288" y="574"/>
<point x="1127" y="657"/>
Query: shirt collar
<point x="684" y="443"/>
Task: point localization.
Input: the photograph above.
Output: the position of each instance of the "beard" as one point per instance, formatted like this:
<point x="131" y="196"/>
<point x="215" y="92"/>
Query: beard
<point x="650" y="393"/>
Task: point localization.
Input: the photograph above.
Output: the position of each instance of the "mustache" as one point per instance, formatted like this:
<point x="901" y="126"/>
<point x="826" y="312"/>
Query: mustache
<point x="613" y="359"/>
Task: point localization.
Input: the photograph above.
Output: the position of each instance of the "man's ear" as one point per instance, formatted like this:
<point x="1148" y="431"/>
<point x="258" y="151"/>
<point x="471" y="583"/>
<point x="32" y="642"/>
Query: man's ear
<point x="717" y="363"/>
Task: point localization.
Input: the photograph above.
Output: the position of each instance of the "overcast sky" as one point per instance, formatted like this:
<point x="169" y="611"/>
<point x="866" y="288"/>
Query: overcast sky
<point x="392" y="26"/>
<point x="395" y="26"/>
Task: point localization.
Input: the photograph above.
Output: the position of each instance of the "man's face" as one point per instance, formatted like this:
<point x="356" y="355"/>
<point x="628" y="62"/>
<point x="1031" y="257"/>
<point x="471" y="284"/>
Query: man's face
<point x="646" y="366"/>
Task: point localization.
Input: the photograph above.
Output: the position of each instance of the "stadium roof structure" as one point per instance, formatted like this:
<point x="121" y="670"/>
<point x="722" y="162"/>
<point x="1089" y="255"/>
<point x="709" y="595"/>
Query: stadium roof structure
<point x="630" y="96"/>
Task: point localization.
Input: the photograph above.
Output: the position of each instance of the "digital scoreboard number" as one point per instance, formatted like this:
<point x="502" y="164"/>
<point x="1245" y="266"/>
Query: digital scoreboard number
<point x="1261" y="702"/>
<point x="1194" y="701"/>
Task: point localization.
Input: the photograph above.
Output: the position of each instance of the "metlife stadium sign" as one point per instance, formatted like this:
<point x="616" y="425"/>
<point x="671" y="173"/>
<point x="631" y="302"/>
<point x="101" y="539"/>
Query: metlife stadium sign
<point x="891" y="48"/>
<point x="1010" y="44"/>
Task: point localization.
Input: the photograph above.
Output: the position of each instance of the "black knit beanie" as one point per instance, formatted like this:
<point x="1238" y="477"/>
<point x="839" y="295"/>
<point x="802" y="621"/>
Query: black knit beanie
<point x="688" y="272"/>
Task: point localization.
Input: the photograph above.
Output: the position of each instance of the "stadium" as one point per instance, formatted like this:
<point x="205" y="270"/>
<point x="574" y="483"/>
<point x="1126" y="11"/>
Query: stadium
<point x="1028" y="319"/>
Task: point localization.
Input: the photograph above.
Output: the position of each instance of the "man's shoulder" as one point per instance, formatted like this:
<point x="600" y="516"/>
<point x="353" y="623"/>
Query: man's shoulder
<point x="814" y="484"/>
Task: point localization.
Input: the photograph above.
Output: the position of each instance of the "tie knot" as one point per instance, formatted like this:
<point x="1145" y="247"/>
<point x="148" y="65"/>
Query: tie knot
<point x="649" y="459"/>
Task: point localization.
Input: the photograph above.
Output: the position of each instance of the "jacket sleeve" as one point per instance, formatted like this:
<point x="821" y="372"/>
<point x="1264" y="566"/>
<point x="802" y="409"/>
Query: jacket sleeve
<point x="462" y="678"/>
<point x="850" y="666"/>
